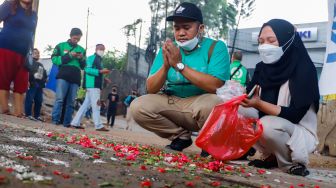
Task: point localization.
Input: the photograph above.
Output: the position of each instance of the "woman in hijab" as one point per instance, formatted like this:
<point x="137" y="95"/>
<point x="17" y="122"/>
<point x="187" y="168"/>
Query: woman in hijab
<point x="286" y="99"/>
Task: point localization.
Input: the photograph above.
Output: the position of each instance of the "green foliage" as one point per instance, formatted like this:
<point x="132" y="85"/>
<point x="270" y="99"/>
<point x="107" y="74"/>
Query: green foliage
<point x="218" y="15"/>
<point x="114" y="60"/>
<point x="245" y="7"/>
<point x="49" y="49"/>
<point x="130" y="29"/>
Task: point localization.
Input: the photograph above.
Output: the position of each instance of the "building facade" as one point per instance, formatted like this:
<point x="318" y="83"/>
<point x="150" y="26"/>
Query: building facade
<point x="313" y="36"/>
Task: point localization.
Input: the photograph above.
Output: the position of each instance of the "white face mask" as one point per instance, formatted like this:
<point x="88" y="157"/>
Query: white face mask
<point x="100" y="53"/>
<point x="270" y="54"/>
<point x="190" y="44"/>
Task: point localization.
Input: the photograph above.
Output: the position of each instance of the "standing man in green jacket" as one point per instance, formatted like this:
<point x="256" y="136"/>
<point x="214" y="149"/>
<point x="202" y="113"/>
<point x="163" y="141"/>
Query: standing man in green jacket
<point x="93" y="81"/>
<point x="238" y="71"/>
<point x="70" y="59"/>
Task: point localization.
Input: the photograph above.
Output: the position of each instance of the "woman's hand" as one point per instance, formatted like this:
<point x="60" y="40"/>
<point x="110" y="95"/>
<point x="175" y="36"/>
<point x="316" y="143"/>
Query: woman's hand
<point x="263" y="106"/>
<point x="254" y="101"/>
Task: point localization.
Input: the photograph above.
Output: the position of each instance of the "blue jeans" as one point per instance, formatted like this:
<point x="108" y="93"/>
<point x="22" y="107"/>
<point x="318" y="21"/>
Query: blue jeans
<point x="35" y="95"/>
<point x="64" y="88"/>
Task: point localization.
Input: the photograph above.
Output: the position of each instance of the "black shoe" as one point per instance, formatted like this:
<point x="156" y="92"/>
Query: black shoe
<point x="269" y="162"/>
<point x="39" y="119"/>
<point x="77" y="127"/>
<point x="250" y="152"/>
<point x="204" y="153"/>
<point x="179" y="144"/>
<point x="298" y="170"/>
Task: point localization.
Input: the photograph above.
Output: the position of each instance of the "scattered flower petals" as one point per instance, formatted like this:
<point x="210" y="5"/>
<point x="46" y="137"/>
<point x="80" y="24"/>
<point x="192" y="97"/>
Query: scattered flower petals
<point x="161" y="170"/>
<point x="10" y="170"/>
<point x="261" y="171"/>
<point x="189" y="184"/>
<point x="215" y="184"/>
<point x="146" y="183"/>
<point x="56" y="172"/>
<point x="95" y="156"/>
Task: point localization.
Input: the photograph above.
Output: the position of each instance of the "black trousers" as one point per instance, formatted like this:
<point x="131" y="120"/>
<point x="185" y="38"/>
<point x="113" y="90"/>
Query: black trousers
<point x="111" y="113"/>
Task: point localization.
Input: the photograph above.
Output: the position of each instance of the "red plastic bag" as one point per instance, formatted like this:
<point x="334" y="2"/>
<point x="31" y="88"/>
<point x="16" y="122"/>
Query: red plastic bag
<point x="227" y="135"/>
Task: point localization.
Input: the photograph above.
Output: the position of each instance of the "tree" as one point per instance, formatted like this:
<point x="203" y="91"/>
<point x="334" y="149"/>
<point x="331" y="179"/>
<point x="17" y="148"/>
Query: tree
<point x="218" y="16"/>
<point x="130" y="30"/>
<point x="49" y="49"/>
<point x="245" y="9"/>
<point x="113" y="60"/>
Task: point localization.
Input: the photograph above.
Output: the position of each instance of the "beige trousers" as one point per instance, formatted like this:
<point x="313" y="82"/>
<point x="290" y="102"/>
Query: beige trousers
<point x="173" y="117"/>
<point x="278" y="137"/>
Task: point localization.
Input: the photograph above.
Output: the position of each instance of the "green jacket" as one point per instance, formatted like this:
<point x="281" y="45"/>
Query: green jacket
<point x="69" y="66"/>
<point x="93" y="78"/>
<point x="241" y="75"/>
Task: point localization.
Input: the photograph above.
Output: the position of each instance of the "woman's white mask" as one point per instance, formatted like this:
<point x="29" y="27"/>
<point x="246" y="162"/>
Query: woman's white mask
<point x="270" y="54"/>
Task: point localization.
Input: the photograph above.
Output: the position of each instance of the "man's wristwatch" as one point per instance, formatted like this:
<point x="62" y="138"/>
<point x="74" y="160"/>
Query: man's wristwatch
<point x="180" y="66"/>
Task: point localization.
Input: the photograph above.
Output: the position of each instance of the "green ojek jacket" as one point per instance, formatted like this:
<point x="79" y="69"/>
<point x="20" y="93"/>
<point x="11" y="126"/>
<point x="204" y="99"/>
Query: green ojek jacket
<point x="93" y="78"/>
<point x="241" y="75"/>
<point x="69" y="66"/>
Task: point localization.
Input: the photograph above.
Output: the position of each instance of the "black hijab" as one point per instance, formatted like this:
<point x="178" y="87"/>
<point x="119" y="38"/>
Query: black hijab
<point x="295" y="65"/>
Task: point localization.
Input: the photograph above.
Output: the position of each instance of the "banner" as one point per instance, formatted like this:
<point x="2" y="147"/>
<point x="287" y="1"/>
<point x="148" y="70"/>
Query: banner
<point x="328" y="75"/>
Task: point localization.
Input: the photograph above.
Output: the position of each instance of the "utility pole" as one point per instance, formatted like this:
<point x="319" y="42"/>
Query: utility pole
<point x="138" y="56"/>
<point x="236" y="31"/>
<point x="165" y="29"/>
<point x="151" y="48"/>
<point x="87" y="28"/>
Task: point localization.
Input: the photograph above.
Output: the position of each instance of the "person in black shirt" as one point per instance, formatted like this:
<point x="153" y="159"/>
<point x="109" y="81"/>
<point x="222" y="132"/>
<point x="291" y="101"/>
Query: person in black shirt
<point x="37" y="80"/>
<point x="113" y="99"/>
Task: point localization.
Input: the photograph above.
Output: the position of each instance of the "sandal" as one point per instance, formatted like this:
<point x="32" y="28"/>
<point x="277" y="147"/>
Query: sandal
<point x="269" y="162"/>
<point x="204" y="153"/>
<point x="298" y="170"/>
<point x="7" y="112"/>
<point x="20" y="115"/>
<point x="250" y="152"/>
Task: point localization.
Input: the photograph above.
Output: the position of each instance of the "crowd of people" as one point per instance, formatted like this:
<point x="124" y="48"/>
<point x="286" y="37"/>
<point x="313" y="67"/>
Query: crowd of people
<point x="20" y="21"/>
<point x="181" y="84"/>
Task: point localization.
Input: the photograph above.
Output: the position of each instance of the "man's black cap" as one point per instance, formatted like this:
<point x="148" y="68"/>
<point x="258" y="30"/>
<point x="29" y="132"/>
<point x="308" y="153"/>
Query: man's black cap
<point x="75" y="31"/>
<point x="187" y="10"/>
